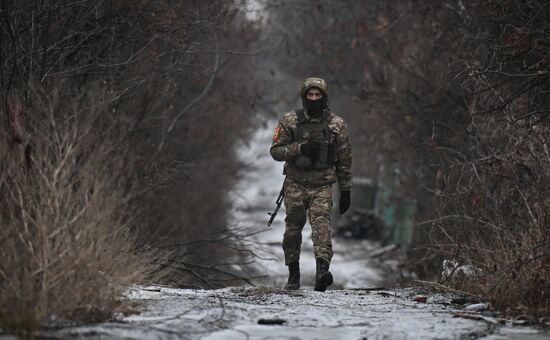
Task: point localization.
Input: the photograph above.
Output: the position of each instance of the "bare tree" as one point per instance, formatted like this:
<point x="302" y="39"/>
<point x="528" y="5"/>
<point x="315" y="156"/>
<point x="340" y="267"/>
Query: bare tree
<point x="119" y="126"/>
<point x="454" y="96"/>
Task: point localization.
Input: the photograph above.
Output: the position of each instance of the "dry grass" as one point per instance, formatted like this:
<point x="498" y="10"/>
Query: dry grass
<point x="502" y="230"/>
<point x="64" y="217"/>
<point x="91" y="174"/>
<point x="493" y="210"/>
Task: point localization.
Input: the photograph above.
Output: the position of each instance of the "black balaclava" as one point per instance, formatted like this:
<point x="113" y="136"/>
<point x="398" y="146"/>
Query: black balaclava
<point x="315" y="108"/>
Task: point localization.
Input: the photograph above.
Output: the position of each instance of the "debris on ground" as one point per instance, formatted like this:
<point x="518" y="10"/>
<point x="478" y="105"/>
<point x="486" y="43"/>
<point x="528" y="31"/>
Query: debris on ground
<point x="477" y="307"/>
<point x="421" y="298"/>
<point x="387" y="293"/>
<point x="475" y="316"/>
<point x="359" y="224"/>
<point x="271" y="321"/>
<point x="453" y="271"/>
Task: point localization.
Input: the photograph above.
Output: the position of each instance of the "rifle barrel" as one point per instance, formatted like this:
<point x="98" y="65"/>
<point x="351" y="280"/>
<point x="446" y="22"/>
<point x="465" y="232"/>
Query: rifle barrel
<point x="278" y="203"/>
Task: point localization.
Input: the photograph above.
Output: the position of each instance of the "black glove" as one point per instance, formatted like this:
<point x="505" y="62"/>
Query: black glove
<point x="345" y="201"/>
<point x="310" y="150"/>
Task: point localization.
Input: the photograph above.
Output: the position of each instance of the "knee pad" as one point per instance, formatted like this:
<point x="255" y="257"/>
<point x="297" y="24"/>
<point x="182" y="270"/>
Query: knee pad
<point x="296" y="215"/>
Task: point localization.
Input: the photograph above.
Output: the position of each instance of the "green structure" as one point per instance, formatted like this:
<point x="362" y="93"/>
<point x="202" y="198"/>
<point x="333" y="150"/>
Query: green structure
<point x="396" y="212"/>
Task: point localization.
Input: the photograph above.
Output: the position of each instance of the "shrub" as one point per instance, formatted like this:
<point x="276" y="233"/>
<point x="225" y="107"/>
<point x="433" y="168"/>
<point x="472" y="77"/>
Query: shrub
<point x="65" y="183"/>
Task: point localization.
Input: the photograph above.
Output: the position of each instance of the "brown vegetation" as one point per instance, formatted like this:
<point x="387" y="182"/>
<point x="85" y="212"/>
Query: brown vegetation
<point x="494" y="201"/>
<point x="117" y="137"/>
<point x="454" y="96"/>
<point x="65" y="240"/>
<point x="119" y="121"/>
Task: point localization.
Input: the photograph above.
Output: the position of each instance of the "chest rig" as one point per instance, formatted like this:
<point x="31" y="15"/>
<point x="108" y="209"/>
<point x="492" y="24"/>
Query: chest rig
<point x="319" y="133"/>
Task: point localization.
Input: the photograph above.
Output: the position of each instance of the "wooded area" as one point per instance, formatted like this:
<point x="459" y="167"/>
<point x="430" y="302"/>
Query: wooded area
<point x="452" y="96"/>
<point x="120" y="119"/>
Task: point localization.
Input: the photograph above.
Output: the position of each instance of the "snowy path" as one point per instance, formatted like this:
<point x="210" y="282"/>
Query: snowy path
<point x="237" y="313"/>
<point x="349" y="310"/>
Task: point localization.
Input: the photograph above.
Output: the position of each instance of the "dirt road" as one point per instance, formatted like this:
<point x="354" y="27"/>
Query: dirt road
<point x="254" y="313"/>
<point x="351" y="309"/>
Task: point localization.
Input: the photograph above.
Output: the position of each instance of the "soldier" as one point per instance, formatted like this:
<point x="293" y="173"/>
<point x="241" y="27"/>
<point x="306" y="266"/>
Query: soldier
<point x="316" y="147"/>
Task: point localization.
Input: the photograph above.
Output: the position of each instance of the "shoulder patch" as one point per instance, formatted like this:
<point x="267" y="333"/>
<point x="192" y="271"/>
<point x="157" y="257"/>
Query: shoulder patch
<point x="276" y="134"/>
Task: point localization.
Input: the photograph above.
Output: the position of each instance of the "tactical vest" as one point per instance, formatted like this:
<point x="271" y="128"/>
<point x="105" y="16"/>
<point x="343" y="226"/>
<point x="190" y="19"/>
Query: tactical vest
<point x="317" y="132"/>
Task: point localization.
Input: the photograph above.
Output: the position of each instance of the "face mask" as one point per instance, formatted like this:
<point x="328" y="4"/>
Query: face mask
<point x="314" y="107"/>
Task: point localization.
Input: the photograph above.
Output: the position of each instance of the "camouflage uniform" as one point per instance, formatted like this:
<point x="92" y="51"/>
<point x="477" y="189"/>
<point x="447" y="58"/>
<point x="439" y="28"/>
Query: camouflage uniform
<point x="309" y="189"/>
<point x="298" y="199"/>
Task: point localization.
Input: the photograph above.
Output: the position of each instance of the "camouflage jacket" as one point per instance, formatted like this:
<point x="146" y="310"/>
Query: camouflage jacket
<point x="286" y="148"/>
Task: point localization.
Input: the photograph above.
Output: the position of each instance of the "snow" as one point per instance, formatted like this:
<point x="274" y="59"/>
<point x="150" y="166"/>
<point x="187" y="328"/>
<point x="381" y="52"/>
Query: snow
<point x="517" y="333"/>
<point x="233" y="313"/>
<point x="263" y="332"/>
<point x="346" y="311"/>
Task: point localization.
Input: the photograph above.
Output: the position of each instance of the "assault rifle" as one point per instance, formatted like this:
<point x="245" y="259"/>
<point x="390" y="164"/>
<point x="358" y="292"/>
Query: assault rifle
<point x="278" y="203"/>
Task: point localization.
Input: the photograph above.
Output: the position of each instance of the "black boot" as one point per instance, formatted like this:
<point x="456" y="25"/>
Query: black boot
<point x="323" y="278"/>
<point x="293" y="276"/>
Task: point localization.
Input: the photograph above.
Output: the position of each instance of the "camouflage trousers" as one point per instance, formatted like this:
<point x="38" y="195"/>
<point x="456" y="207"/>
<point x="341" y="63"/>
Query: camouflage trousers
<point x="317" y="201"/>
